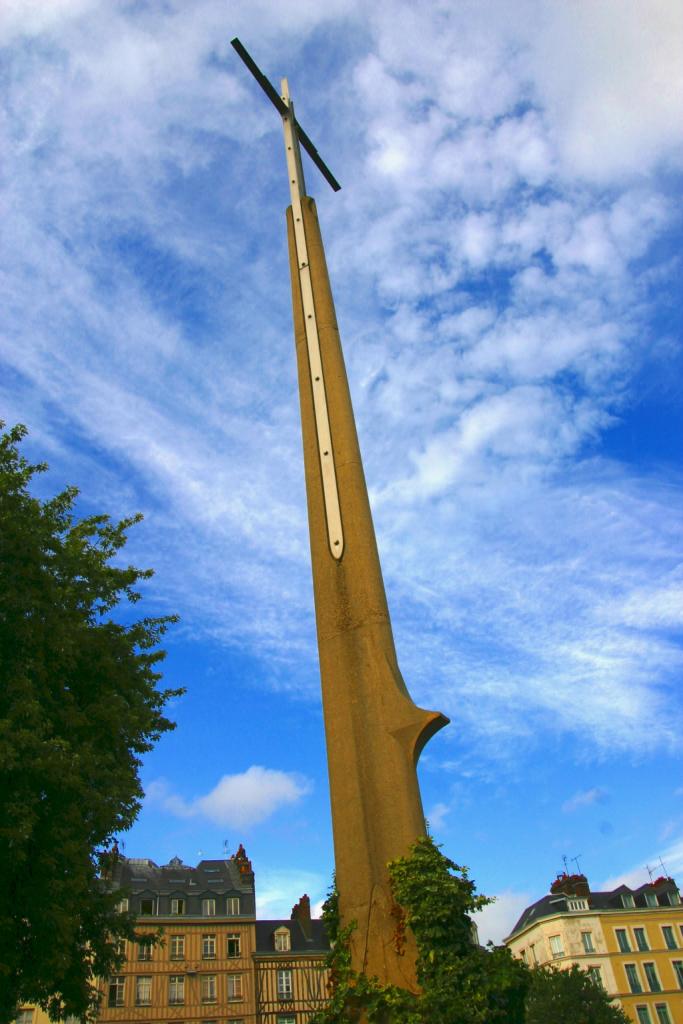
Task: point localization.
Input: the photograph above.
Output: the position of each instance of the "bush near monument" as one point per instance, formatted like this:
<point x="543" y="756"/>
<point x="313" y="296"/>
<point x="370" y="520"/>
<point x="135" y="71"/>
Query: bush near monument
<point x="461" y="982"/>
<point x="78" y="706"/>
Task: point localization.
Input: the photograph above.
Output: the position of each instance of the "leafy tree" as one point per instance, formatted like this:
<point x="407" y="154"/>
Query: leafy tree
<point x="569" y="997"/>
<point x="78" y="706"/>
<point x="461" y="983"/>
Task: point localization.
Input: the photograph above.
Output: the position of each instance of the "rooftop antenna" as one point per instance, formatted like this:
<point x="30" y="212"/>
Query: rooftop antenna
<point x="664" y="871"/>
<point x="566" y="866"/>
<point x="576" y="861"/>
<point x="225" y="847"/>
<point x="650" y="872"/>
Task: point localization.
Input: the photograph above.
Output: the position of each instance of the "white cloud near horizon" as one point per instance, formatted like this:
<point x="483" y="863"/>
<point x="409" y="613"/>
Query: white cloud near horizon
<point x="496" y="921"/>
<point x="277" y="891"/>
<point x="241" y="800"/>
<point x="670" y="856"/>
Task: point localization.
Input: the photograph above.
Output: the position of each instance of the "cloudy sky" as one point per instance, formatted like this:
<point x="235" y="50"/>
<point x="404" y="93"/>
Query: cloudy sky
<point x="505" y="255"/>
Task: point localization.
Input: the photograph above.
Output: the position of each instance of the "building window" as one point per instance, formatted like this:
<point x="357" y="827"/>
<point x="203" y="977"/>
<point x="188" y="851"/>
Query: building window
<point x="147" y="906"/>
<point x="632" y="978"/>
<point x="674" y="897"/>
<point x="532" y="950"/>
<point x="587" y="940"/>
<point x="208" y="947"/>
<point x="523" y="955"/>
<point x="235" y="991"/>
<point x="233" y="906"/>
<point x="678" y="971"/>
<point x="641" y="939"/>
<point x="176" y="989"/>
<point x="286" y="1018"/>
<point x="595" y="975"/>
<point x="556" y="945"/>
<point x="177" y="947"/>
<point x="669" y="937"/>
<point x="622" y="940"/>
<point x="144" y="950"/>
<point x="116" y="991"/>
<point x="143" y="990"/>
<point x="651" y="898"/>
<point x="234" y="945"/>
<point x="208" y="908"/>
<point x="177" y="906"/>
<point x="577" y="904"/>
<point x="643" y="1015"/>
<point x="652" y="979"/>
<point x="627" y="900"/>
<point x="208" y="988"/>
<point x="122" y="905"/>
<point x="662" y="1011"/>
<point x="284" y="984"/>
<point x="283" y="941"/>
<point x="24" y="1017"/>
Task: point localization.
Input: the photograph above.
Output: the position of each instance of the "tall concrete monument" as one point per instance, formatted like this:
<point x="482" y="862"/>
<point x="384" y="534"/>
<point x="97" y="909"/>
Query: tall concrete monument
<point x="374" y="731"/>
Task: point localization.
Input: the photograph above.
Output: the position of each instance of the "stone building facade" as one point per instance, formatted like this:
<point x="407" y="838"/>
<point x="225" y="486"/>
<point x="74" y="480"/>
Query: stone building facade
<point x="630" y="940"/>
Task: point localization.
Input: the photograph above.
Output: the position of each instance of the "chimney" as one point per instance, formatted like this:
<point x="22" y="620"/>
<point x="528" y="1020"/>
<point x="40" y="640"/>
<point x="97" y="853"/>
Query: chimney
<point x="301" y="912"/>
<point x="571" y="885"/>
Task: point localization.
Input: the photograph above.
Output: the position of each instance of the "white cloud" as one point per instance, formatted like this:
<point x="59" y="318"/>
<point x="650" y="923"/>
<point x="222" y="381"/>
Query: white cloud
<point x="584" y="798"/>
<point x="671" y="857"/>
<point x="277" y="891"/>
<point x="491" y="314"/>
<point x="496" y="921"/>
<point x="437" y="815"/>
<point x="241" y="800"/>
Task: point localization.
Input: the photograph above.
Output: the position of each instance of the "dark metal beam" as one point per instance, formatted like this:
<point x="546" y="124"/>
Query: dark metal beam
<point x="283" y="110"/>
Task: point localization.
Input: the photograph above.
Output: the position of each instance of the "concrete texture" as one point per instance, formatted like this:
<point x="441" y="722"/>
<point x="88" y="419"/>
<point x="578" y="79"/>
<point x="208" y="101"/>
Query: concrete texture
<point x="373" y="729"/>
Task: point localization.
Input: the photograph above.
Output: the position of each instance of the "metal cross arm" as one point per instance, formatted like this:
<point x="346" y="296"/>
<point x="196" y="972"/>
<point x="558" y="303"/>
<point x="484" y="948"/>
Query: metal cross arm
<point x="284" y="110"/>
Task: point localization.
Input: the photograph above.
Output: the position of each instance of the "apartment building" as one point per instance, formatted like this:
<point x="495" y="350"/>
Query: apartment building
<point x="630" y="940"/>
<point x="215" y="964"/>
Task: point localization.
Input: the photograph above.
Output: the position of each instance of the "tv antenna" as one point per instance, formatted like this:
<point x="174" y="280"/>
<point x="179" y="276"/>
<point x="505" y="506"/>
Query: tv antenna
<point x="284" y="106"/>
<point x="576" y="861"/>
<point x="225" y="847"/>
<point x="566" y="866"/>
<point x="650" y="872"/>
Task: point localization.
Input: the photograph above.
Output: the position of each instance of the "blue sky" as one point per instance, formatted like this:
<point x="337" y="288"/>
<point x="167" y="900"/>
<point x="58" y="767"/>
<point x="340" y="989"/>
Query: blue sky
<point x="505" y="256"/>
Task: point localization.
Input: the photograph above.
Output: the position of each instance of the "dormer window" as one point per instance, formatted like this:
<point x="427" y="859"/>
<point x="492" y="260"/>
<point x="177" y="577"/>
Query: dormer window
<point x="147" y="905"/>
<point x="577" y="904"/>
<point x="627" y="900"/>
<point x="651" y="898"/>
<point x="208" y="907"/>
<point x="177" y="906"/>
<point x="122" y="905"/>
<point x="282" y="940"/>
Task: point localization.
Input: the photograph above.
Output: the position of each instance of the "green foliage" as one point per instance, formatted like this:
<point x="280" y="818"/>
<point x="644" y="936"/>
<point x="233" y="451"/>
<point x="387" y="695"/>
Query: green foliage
<point x="569" y="997"/>
<point x="78" y="706"/>
<point x="461" y="982"/>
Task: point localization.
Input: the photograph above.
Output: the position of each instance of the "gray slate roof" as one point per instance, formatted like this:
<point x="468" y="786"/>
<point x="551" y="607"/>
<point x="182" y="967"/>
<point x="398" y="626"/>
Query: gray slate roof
<point x="318" y="943"/>
<point x="141" y="874"/>
<point x="557" y="903"/>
